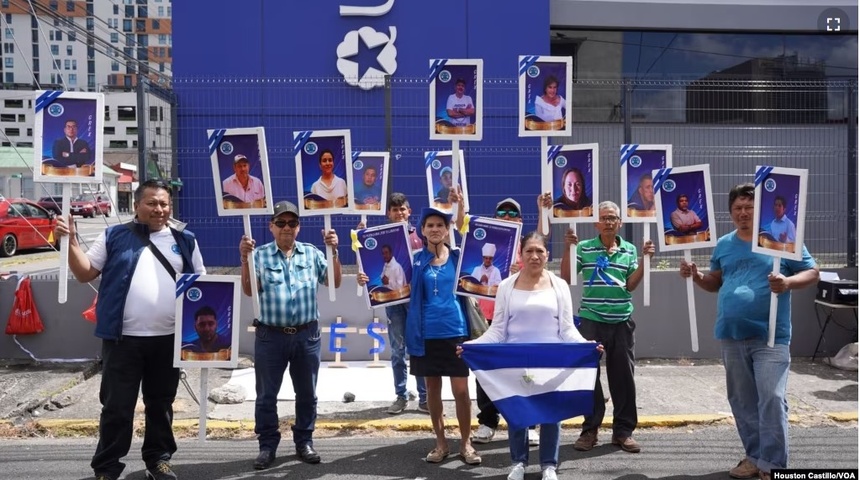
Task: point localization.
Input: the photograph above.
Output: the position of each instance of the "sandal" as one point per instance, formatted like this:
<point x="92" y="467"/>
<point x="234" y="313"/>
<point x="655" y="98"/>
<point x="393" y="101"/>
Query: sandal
<point x="470" y="456"/>
<point x="436" y="455"/>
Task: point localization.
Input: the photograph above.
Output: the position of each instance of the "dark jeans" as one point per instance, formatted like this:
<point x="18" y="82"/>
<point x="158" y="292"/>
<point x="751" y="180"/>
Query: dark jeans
<point x="487" y="413"/>
<point x="617" y="339"/>
<point x="129" y="366"/>
<point x="275" y="351"/>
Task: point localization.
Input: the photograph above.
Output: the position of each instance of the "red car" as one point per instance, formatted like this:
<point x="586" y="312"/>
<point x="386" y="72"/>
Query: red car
<point x="91" y="204"/>
<point x="24" y="224"/>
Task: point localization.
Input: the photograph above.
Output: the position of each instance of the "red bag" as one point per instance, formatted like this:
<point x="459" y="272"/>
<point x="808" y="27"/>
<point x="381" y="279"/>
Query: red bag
<point x="90" y="313"/>
<point x="24" y="318"/>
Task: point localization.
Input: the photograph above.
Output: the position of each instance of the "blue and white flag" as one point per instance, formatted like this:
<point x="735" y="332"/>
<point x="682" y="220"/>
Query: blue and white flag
<point x="534" y="383"/>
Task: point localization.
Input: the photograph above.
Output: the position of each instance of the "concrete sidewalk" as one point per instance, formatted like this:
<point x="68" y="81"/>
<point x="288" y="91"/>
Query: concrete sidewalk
<point x="64" y="399"/>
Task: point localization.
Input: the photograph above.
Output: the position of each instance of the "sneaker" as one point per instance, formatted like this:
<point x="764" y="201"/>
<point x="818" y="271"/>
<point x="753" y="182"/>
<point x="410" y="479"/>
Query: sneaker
<point x="423" y="408"/>
<point x="161" y="471"/>
<point x="484" y="434"/>
<point x="534" y="438"/>
<point x="627" y="444"/>
<point x="549" y="474"/>
<point x="586" y="441"/>
<point x="744" y="469"/>
<point x="518" y="471"/>
<point x="398" y="406"/>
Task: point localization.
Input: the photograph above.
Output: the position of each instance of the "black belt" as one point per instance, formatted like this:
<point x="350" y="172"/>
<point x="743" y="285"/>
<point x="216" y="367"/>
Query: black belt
<point x="285" y="330"/>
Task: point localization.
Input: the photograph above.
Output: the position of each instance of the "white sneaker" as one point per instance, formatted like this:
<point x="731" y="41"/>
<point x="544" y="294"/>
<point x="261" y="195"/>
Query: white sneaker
<point x="534" y="438"/>
<point x="484" y="434"/>
<point x="549" y="474"/>
<point x="517" y="472"/>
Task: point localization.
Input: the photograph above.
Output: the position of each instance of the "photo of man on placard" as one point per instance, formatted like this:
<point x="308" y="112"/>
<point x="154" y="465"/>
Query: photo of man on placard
<point x="207" y="321"/>
<point x="685" y="208"/>
<point x="489" y="249"/>
<point x="637" y="184"/>
<point x="779" y="207"/>
<point x="70" y="125"/>
<point x="367" y="182"/>
<point x="386" y="259"/>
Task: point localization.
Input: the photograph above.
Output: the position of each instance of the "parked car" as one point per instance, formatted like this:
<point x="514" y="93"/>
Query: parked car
<point x="24" y="224"/>
<point x="91" y="204"/>
<point x="52" y="204"/>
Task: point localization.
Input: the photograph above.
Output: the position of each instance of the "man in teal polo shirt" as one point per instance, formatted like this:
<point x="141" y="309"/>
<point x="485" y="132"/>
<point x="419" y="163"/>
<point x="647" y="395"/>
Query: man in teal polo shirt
<point x="289" y="273"/>
<point x="610" y="272"/>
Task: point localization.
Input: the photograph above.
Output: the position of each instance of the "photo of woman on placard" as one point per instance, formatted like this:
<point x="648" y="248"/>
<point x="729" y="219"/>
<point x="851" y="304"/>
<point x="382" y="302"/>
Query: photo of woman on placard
<point x="573" y="183"/>
<point x="329" y="186"/>
<point x="550" y="106"/>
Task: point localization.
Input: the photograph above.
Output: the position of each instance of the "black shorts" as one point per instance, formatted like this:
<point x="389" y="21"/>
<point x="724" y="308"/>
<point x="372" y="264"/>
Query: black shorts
<point x="440" y="359"/>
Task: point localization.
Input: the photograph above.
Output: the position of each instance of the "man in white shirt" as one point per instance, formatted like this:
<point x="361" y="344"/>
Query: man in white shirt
<point x="393" y="275"/>
<point x="242" y="184"/>
<point x="487" y="273"/>
<point x="460" y="106"/>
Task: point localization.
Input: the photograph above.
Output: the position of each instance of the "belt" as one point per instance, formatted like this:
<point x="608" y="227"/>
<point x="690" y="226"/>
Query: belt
<point x="286" y="330"/>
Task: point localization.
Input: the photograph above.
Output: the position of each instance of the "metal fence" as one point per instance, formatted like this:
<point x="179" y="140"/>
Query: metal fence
<point x="731" y="125"/>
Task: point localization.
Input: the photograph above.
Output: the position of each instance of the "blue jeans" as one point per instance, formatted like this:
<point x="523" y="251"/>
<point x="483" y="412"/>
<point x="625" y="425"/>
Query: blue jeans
<point x="275" y="351"/>
<point x="756" y="379"/>
<point x="548" y="449"/>
<point x="396" y="331"/>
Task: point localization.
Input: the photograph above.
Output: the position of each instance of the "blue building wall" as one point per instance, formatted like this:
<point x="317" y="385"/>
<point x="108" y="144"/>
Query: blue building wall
<point x="273" y="63"/>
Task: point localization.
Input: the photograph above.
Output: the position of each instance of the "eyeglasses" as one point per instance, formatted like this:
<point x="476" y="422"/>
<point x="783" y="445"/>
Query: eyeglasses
<point x="508" y="213"/>
<point x="609" y="219"/>
<point x="284" y="223"/>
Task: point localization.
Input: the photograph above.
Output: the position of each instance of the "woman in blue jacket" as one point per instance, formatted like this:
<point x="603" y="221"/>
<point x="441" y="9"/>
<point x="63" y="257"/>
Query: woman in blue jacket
<point x="435" y="325"/>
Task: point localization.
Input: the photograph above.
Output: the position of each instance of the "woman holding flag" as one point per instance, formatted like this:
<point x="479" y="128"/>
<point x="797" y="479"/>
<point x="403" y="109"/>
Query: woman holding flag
<point x="534" y="306"/>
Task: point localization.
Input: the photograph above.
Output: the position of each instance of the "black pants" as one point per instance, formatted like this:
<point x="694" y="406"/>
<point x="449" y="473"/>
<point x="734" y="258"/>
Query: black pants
<point x="617" y="339"/>
<point x="487" y="413"/>
<point x="129" y="366"/>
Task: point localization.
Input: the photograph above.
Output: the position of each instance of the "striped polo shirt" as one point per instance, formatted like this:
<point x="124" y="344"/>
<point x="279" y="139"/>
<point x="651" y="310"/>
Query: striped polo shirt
<point x="288" y="288"/>
<point x="606" y="299"/>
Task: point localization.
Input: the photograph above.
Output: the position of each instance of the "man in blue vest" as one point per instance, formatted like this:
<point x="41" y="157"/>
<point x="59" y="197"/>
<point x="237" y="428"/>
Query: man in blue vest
<point x="135" y="312"/>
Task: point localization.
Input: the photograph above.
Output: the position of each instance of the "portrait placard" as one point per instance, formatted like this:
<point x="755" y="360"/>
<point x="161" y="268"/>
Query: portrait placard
<point x="456" y="99"/>
<point x="545" y="97"/>
<point x="384" y="256"/>
<point x="685" y="209"/>
<point x="207" y="321"/>
<point x="240" y="171"/>
<point x="323" y="158"/>
<point x="440" y="178"/>
<point x="637" y="187"/>
<point x="780" y="211"/>
<point x="68" y="137"/>
<point x="573" y="169"/>
<point x="370" y="182"/>
<point x="488" y="250"/>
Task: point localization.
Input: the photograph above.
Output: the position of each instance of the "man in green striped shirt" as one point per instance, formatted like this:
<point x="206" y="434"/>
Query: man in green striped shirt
<point x="610" y="271"/>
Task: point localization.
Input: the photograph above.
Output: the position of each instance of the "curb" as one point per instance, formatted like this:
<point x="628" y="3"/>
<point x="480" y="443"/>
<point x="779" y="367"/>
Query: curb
<point x="77" y="427"/>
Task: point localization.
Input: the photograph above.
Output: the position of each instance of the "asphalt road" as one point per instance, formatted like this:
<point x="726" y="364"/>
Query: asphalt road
<point x="704" y="453"/>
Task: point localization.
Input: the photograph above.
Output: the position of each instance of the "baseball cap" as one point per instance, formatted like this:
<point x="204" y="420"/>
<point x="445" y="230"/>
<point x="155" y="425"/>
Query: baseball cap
<point x="240" y="158"/>
<point x="283" y="207"/>
<point x="510" y="201"/>
<point x="429" y="211"/>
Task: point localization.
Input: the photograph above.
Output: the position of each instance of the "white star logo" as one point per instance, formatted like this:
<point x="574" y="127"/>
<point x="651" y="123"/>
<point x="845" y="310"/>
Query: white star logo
<point x="387" y="58"/>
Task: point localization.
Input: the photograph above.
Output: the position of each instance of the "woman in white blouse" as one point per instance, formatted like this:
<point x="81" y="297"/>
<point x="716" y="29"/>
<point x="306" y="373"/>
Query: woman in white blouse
<point x="533" y="306"/>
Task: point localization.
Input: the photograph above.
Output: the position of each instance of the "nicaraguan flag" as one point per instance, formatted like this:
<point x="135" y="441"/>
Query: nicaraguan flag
<point x="534" y="383"/>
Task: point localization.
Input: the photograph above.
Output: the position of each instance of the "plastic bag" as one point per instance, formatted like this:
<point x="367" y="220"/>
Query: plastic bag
<point x="24" y="319"/>
<point x="90" y="313"/>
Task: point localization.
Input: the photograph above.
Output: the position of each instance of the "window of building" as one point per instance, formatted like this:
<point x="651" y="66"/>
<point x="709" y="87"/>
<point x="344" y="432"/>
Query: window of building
<point x="118" y="144"/>
<point x="10" y="33"/>
<point x="51" y="35"/>
<point x="9" y="77"/>
<point x="7" y="117"/>
<point x="114" y="37"/>
<point x="70" y="6"/>
<point x="110" y="130"/>
<point x="8" y="15"/>
<point x="153" y="114"/>
<point x="91" y="24"/>
<point x="35" y="65"/>
<point x="91" y="81"/>
<point x="55" y="49"/>
<point x="22" y="118"/>
<point x="131" y="130"/>
<point x="161" y="67"/>
<point x="73" y="79"/>
<point x="5" y="4"/>
<point x="114" y="66"/>
<point x="143" y="40"/>
<point x="67" y="63"/>
<point x="142" y="12"/>
<point x="126" y="25"/>
<point x="160" y="11"/>
<point x="169" y="14"/>
<point x="158" y="130"/>
<point x="9" y="62"/>
<point x="116" y="9"/>
<point x="29" y="132"/>
<point x="57" y="65"/>
<point x="8" y="48"/>
<point x="74" y="64"/>
<point x="24" y="144"/>
<point x="54" y="4"/>
<point x="126" y="113"/>
<point x="69" y="50"/>
<point x="162" y="39"/>
<point x="129" y="11"/>
<point x="128" y="2"/>
<point x="140" y="25"/>
<point x="13" y="132"/>
<point x="156" y="24"/>
<point x="59" y="36"/>
<point x="13" y="103"/>
<point x="72" y="36"/>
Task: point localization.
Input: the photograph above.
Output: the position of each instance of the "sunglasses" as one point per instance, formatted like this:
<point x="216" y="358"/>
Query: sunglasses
<point x="508" y="213"/>
<point x="284" y="223"/>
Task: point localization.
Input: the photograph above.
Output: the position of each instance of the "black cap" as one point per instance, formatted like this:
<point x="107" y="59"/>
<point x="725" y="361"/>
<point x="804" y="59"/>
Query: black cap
<point x="283" y="207"/>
